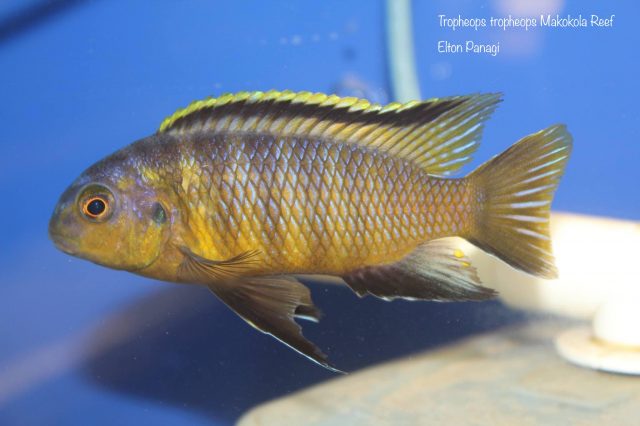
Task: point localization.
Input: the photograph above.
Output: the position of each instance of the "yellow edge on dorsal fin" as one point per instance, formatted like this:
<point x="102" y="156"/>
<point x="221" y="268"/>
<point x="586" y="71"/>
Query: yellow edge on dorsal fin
<point x="438" y="134"/>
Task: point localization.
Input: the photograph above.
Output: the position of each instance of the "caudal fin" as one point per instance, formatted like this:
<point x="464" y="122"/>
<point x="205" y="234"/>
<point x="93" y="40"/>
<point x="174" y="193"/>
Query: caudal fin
<point x="516" y="189"/>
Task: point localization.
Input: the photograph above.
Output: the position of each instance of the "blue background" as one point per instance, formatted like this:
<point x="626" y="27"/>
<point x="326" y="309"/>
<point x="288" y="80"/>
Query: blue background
<point x="80" y="79"/>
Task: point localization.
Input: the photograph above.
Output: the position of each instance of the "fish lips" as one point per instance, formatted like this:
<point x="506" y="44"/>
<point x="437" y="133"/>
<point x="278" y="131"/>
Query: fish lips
<point x="61" y="229"/>
<point x="63" y="244"/>
<point x="62" y="241"/>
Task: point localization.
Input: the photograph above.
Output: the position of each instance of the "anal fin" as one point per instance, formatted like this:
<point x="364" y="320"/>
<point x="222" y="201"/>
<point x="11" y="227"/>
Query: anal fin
<point x="436" y="270"/>
<point x="270" y="305"/>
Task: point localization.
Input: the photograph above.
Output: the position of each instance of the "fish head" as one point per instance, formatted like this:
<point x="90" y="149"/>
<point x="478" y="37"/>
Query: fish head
<point x="109" y="216"/>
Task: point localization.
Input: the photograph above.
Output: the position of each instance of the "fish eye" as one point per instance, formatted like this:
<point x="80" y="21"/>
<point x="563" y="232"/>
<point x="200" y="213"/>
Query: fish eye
<point x="96" y="206"/>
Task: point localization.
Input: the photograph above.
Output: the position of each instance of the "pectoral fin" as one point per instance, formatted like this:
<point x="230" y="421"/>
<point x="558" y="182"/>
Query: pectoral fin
<point x="436" y="270"/>
<point x="199" y="270"/>
<point x="270" y="305"/>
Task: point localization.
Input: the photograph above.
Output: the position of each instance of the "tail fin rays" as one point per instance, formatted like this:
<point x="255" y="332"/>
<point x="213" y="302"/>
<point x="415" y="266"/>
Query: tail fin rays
<point x="516" y="189"/>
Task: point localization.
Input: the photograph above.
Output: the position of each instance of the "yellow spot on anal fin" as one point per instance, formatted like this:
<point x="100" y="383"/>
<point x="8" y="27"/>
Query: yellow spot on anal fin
<point x="458" y="253"/>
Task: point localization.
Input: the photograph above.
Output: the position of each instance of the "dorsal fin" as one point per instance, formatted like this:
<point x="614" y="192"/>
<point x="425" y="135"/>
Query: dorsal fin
<point x="438" y="134"/>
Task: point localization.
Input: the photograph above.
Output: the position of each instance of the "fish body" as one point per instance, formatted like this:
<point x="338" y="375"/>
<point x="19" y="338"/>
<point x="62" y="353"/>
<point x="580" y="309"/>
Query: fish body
<point x="243" y="192"/>
<point x="306" y="206"/>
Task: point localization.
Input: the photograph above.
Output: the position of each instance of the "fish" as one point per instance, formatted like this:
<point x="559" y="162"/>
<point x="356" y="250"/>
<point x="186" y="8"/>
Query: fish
<point x="247" y="192"/>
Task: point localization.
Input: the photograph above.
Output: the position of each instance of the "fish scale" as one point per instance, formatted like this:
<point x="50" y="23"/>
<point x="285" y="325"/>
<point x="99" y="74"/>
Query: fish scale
<point x="314" y="205"/>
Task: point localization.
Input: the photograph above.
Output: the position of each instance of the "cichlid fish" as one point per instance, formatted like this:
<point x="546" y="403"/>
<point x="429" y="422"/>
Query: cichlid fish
<point x="244" y="192"/>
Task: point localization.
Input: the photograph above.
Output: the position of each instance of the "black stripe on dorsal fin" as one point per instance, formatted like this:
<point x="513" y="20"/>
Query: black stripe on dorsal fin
<point x="438" y="134"/>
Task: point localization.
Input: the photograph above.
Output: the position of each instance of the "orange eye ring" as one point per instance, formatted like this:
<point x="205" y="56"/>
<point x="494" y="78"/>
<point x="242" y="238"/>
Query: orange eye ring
<point x="95" y="207"/>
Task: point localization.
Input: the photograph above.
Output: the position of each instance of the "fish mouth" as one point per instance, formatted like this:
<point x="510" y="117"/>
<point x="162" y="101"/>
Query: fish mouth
<point x="61" y="240"/>
<point x="63" y="244"/>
